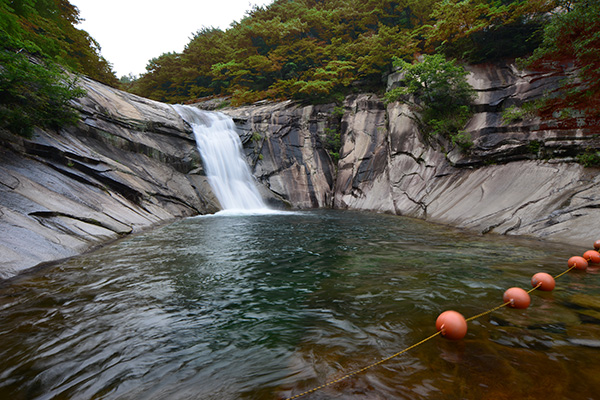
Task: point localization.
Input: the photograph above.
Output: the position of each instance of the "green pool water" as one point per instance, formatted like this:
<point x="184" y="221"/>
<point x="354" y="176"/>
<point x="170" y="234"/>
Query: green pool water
<point x="269" y="306"/>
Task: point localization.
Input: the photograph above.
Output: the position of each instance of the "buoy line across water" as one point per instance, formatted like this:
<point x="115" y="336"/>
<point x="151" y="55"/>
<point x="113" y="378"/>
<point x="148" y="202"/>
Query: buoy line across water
<point x="453" y="325"/>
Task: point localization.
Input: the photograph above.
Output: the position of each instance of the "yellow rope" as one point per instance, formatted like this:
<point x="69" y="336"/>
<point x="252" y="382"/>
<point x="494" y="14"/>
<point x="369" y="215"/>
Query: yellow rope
<point x="500" y="306"/>
<point x="488" y="312"/>
<point x="534" y="288"/>
<point x="559" y="275"/>
<point x="358" y="371"/>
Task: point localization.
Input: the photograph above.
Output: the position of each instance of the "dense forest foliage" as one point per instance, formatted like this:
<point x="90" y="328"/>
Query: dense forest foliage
<point x="39" y="43"/>
<point x="308" y="50"/>
<point x="572" y="40"/>
<point x="320" y="50"/>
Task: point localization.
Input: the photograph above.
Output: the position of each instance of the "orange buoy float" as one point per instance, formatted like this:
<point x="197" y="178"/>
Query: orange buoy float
<point x="592" y="257"/>
<point x="597" y="244"/>
<point x="546" y="281"/>
<point x="577" y="262"/>
<point x="517" y="297"/>
<point x="452" y="325"/>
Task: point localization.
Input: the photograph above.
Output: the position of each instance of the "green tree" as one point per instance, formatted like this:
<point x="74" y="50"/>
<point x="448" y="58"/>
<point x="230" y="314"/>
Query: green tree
<point x="159" y="82"/>
<point x="33" y="92"/>
<point x="439" y="95"/>
<point x="306" y="49"/>
<point x="484" y="30"/>
<point x="41" y="53"/>
<point x="319" y="50"/>
<point x="572" y="41"/>
<point x="207" y="48"/>
<point x="50" y="26"/>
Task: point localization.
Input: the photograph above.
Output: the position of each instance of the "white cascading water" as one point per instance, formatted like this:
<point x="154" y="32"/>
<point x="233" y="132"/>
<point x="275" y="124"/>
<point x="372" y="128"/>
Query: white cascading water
<point x="221" y="150"/>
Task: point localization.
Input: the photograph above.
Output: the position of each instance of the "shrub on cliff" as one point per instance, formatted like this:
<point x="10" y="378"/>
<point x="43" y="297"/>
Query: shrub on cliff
<point x="439" y="96"/>
<point x="33" y="92"/>
<point x="38" y="44"/>
<point x="572" y="39"/>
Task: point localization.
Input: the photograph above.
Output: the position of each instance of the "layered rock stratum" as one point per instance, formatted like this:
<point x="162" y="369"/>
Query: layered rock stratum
<point x="130" y="164"/>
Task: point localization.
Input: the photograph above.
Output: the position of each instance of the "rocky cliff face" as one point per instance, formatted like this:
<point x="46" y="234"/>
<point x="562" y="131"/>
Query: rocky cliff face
<point x="518" y="178"/>
<point x="131" y="163"/>
<point x="283" y="143"/>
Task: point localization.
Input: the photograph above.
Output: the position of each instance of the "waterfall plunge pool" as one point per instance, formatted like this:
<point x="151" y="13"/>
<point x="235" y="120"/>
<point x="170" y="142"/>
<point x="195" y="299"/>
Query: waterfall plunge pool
<point x="268" y="306"/>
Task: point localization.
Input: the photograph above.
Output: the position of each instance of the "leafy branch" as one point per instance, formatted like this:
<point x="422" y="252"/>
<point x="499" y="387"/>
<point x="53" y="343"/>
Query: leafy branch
<point x="34" y="92"/>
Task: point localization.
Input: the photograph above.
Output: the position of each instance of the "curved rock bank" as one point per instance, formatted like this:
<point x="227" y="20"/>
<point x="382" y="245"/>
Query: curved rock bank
<point x="519" y="178"/>
<point x="130" y="164"/>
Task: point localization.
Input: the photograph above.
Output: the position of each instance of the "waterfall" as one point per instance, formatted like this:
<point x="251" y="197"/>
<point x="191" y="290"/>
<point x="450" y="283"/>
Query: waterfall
<point x="221" y="150"/>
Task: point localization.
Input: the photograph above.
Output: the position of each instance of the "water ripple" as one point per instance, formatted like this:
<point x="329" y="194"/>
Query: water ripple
<point x="263" y="306"/>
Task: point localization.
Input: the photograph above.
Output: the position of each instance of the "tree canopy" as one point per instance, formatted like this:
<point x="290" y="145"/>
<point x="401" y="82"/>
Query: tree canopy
<point x="46" y="28"/>
<point x="320" y="50"/>
<point x="314" y="50"/>
<point x="572" y="40"/>
<point x="38" y="44"/>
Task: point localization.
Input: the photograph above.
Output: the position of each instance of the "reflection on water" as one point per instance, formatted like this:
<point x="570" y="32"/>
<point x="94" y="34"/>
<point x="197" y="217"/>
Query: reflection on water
<point x="267" y="306"/>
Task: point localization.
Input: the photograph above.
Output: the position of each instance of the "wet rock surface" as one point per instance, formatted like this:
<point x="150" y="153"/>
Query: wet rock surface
<point x="131" y="163"/>
<point x="283" y="144"/>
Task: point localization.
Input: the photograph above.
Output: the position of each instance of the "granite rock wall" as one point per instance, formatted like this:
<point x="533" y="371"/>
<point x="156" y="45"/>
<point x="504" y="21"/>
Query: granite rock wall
<point x="130" y="164"/>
